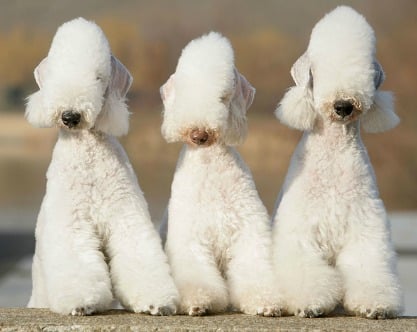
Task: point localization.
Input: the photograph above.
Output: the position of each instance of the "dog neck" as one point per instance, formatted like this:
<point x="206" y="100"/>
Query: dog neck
<point x="75" y="145"/>
<point x="217" y="148"/>
<point x="333" y="150"/>
<point x="84" y="135"/>
<point x="208" y="154"/>
<point x="336" y="133"/>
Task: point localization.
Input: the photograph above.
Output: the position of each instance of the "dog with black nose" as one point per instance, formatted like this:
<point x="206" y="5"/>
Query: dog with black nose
<point x="217" y="229"/>
<point x="94" y="235"/>
<point x="331" y="232"/>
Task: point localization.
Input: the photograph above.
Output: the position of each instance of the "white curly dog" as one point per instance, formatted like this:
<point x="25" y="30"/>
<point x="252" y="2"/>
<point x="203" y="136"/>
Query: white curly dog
<point x="219" y="241"/>
<point x="331" y="232"/>
<point x="94" y="232"/>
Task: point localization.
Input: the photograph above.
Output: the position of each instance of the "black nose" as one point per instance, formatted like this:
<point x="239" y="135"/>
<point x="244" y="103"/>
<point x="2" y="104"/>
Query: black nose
<point x="70" y="118"/>
<point x="343" y="108"/>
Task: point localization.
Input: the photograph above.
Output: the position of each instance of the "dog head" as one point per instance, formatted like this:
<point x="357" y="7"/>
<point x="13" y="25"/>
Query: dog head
<point x="338" y="77"/>
<point x="206" y="99"/>
<point x="81" y="85"/>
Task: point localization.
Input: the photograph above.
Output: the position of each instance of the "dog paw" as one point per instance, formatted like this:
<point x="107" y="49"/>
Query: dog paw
<point x="312" y="311"/>
<point x="197" y="311"/>
<point x="378" y="312"/>
<point x="167" y="311"/>
<point x="269" y="311"/>
<point x="83" y="311"/>
<point x="266" y="310"/>
<point x="154" y="310"/>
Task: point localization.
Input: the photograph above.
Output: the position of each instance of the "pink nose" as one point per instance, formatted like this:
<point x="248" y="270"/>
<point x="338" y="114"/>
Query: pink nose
<point x="198" y="136"/>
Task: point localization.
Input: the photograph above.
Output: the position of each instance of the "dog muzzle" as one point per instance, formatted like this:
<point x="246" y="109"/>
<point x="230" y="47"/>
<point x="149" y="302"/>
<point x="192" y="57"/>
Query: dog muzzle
<point x="200" y="137"/>
<point x="70" y="118"/>
<point x="343" y="108"/>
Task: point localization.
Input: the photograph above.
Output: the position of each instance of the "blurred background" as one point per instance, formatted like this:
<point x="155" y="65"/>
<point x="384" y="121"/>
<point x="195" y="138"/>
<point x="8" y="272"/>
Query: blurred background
<point x="148" y="36"/>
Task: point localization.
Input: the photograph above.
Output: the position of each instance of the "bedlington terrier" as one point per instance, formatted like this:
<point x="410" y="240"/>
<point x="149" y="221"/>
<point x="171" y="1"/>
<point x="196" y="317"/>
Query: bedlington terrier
<point x="331" y="233"/>
<point x="219" y="241"/>
<point x="94" y="232"/>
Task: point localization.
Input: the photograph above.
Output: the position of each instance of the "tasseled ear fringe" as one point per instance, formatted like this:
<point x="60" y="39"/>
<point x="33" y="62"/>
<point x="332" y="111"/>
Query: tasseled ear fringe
<point x="114" y="118"/>
<point x="237" y="127"/>
<point x="381" y="116"/>
<point x="35" y="112"/>
<point x="296" y="109"/>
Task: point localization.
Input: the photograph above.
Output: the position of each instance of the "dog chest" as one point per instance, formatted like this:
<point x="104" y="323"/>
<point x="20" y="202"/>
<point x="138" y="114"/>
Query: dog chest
<point x="211" y="198"/>
<point x="90" y="171"/>
<point x="332" y="162"/>
<point x="329" y="181"/>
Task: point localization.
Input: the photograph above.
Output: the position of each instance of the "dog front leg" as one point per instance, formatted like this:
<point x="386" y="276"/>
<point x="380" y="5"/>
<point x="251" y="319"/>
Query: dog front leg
<point x="39" y="298"/>
<point x="372" y="288"/>
<point x="76" y="275"/>
<point x="311" y="286"/>
<point x="199" y="281"/>
<point x="139" y="268"/>
<point x="250" y="274"/>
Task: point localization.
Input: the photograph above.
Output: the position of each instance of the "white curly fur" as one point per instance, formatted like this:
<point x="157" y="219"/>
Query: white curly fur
<point x="381" y="116"/>
<point x="192" y="89"/>
<point x="218" y="240"/>
<point x="331" y="233"/>
<point x="296" y="109"/>
<point x="94" y="235"/>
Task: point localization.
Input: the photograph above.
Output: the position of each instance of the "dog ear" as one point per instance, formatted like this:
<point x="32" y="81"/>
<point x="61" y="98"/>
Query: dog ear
<point x="296" y="108"/>
<point x="167" y="91"/>
<point x="244" y="90"/>
<point x="120" y="80"/>
<point x="379" y="75"/>
<point x="301" y="71"/>
<point x="114" y="118"/>
<point x="35" y="112"/>
<point x="242" y="98"/>
<point x="242" y="93"/>
<point x="381" y="116"/>
<point x="40" y="72"/>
